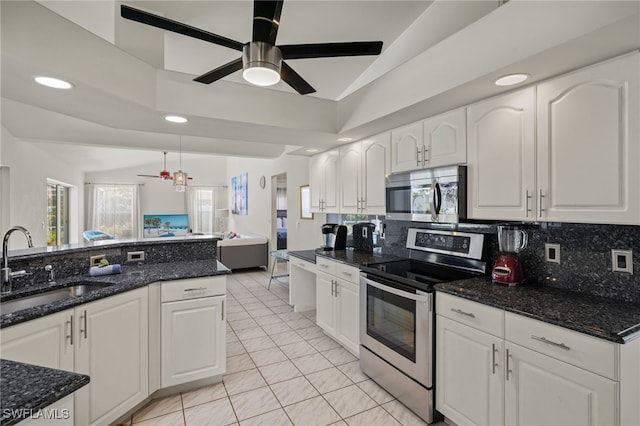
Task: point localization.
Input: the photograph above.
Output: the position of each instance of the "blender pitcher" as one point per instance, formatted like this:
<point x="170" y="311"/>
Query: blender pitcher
<point x="511" y="240"/>
<point x="508" y="269"/>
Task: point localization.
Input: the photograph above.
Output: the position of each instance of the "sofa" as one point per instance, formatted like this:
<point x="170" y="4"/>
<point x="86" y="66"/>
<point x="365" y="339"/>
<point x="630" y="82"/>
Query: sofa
<point x="244" y="251"/>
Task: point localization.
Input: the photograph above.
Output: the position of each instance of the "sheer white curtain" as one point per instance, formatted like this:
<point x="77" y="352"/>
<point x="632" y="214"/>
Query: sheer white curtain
<point x="113" y="208"/>
<point x="202" y="202"/>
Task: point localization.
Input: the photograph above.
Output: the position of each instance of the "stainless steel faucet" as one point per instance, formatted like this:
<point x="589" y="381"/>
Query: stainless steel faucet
<point x="6" y="276"/>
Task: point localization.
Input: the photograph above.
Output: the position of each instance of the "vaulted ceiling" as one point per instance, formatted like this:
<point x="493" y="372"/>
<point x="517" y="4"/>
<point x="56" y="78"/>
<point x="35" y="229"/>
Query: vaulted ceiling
<point x="128" y="76"/>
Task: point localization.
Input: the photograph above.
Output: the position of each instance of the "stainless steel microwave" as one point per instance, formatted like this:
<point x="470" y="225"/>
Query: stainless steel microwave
<point x="428" y="195"/>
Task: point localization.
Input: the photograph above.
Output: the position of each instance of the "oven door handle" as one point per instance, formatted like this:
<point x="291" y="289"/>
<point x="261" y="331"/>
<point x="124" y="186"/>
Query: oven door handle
<point x="417" y="298"/>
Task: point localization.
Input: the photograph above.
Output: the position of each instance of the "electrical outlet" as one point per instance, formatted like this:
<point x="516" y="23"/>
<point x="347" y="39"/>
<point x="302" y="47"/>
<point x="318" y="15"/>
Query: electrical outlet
<point x="552" y="253"/>
<point x="135" y="256"/>
<point x="95" y="260"/>
<point x="622" y="261"/>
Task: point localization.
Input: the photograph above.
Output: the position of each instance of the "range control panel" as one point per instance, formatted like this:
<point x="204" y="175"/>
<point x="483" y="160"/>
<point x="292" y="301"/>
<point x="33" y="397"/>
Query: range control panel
<point x="462" y="244"/>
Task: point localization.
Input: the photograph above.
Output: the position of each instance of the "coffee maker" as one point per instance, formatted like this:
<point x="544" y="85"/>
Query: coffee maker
<point x="508" y="269"/>
<point x="334" y="237"/>
<point x="363" y="236"/>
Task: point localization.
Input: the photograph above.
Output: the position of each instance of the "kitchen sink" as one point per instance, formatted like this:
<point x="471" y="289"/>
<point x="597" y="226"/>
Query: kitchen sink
<point x="51" y="296"/>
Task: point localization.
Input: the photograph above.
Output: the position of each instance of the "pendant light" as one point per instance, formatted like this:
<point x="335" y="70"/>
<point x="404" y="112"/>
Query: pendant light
<point x="180" y="178"/>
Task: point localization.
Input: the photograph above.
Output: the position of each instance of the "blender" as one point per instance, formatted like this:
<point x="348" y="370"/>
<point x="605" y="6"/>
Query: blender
<point x="508" y="269"/>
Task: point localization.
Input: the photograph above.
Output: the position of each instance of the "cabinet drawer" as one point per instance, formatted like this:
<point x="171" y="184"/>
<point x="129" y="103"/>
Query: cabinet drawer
<point x="581" y="350"/>
<point x="326" y="265"/>
<point x="348" y="273"/>
<point x="482" y="317"/>
<point x="193" y="288"/>
<point x="293" y="261"/>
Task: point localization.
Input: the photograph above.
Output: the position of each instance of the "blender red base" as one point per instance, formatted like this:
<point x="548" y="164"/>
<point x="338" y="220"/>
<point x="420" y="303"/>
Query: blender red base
<point x="507" y="270"/>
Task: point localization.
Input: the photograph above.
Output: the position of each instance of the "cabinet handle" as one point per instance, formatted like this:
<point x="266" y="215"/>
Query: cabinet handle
<point x="335" y="294"/>
<point x="508" y="368"/>
<point x="324" y="266"/>
<point x="83" y="330"/>
<point x="527" y="209"/>
<point x="541" y="197"/>
<point x="461" y="312"/>
<point x="349" y="274"/>
<point x="223" y="310"/>
<point x="70" y="336"/>
<point x="424" y="155"/>
<point x="364" y="204"/>
<point x="195" y="289"/>
<point x="493" y="361"/>
<point x="551" y="342"/>
<point x="417" y="156"/>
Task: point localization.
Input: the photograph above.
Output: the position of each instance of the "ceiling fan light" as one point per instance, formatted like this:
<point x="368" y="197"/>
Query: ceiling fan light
<point x="261" y="63"/>
<point x="180" y="179"/>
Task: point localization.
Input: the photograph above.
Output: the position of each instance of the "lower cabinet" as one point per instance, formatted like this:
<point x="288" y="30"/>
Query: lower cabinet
<point x="552" y="376"/>
<point x="337" y="302"/>
<point x="106" y="340"/>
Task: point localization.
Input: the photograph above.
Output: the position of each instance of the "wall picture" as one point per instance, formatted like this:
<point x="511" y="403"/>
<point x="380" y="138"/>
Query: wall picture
<point x="165" y="225"/>
<point x="239" y="194"/>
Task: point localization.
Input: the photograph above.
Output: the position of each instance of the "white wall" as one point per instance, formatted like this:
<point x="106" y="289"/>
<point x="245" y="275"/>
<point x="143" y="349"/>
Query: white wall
<point x="159" y="196"/>
<point x="29" y="168"/>
<point x="301" y="234"/>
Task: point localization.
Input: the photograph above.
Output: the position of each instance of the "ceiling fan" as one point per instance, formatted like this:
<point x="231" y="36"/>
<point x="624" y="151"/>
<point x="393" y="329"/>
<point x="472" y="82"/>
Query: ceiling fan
<point x="166" y="174"/>
<point x="262" y="61"/>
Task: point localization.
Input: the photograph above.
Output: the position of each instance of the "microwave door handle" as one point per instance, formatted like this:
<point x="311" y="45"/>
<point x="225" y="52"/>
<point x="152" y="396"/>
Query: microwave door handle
<point x="433" y="200"/>
<point x="439" y="198"/>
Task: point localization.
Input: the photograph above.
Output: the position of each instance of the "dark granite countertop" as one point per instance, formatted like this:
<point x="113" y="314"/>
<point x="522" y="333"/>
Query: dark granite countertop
<point x="26" y="388"/>
<point x="308" y="255"/>
<point x="607" y="319"/>
<point x="356" y="258"/>
<point x="132" y="277"/>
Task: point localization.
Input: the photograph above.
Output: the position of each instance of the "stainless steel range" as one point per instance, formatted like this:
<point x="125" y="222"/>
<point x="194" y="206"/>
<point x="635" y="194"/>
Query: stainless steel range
<point x="397" y="323"/>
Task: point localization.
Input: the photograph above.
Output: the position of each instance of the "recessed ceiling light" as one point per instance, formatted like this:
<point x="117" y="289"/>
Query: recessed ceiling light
<point x="313" y="150"/>
<point x="53" y="82"/>
<point x="511" y="79"/>
<point x="175" y="119"/>
<point x="345" y="139"/>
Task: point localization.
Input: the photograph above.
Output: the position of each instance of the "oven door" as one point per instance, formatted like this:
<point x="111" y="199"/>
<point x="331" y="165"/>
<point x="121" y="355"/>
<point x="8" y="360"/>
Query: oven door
<point x="396" y="323"/>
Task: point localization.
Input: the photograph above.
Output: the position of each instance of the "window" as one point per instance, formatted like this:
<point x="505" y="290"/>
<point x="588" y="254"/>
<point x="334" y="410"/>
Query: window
<point x="57" y="213"/>
<point x="113" y="208"/>
<point x="202" y="203"/>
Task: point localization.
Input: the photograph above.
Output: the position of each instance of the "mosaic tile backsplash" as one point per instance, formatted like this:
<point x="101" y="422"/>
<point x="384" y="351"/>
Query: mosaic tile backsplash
<point x="585" y="254"/>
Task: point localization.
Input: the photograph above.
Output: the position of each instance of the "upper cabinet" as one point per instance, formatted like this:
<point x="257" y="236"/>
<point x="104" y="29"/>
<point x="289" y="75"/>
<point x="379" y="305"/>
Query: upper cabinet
<point x="323" y="180"/>
<point x="588" y="144"/>
<point x="363" y="167"/>
<point x="575" y="160"/>
<point x="436" y="141"/>
<point x="501" y="157"/>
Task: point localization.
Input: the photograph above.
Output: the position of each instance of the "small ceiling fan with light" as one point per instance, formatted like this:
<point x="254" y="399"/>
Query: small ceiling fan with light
<point x="262" y="61"/>
<point x="179" y="178"/>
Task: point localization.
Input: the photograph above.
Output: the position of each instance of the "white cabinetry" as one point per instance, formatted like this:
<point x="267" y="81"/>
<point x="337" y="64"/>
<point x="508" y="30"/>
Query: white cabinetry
<point x="583" y="164"/>
<point x="437" y="141"/>
<point x="112" y="349"/>
<point x="323" y="180"/>
<point x="193" y="330"/>
<point x="588" y="150"/>
<point x="363" y="167"/>
<point x="529" y="372"/>
<point x="338" y="299"/>
<point x="501" y="157"/>
<point x="302" y="284"/>
<point x="106" y="340"/>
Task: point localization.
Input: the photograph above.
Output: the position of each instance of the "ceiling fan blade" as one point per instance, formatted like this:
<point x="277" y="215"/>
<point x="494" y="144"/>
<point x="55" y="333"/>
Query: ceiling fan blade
<point x="151" y="176"/>
<point x="330" y="50"/>
<point x="220" y="72"/>
<point x="266" y="20"/>
<point x="147" y="18"/>
<point x="294" y="80"/>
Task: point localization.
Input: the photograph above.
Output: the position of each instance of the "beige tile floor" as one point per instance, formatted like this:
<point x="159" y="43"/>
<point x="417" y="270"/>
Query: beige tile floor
<point x="281" y="370"/>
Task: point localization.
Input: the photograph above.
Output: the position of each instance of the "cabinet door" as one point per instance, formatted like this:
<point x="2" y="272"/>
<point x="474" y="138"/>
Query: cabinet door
<point x="375" y="167"/>
<point x="112" y="349"/>
<point x="469" y="374"/>
<point x="325" y="302"/>
<point x="445" y="139"/>
<point x="193" y="340"/>
<point x="315" y="182"/>
<point x="44" y="341"/>
<point x="588" y="151"/>
<point x="406" y="148"/>
<point x="330" y="182"/>
<point x="543" y="391"/>
<point x="350" y="195"/>
<point x="501" y="157"/>
<point x="348" y="315"/>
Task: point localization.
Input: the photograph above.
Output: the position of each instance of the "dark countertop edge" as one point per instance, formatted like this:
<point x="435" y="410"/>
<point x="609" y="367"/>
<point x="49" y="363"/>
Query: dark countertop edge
<point x="366" y="258"/>
<point x="29" y="253"/>
<point x="66" y="384"/>
<point x="132" y="280"/>
<point x="623" y="337"/>
<point x="308" y="255"/>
